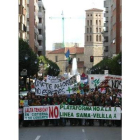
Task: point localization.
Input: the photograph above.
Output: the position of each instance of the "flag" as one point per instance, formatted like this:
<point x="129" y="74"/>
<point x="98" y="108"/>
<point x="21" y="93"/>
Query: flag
<point x="67" y="53"/>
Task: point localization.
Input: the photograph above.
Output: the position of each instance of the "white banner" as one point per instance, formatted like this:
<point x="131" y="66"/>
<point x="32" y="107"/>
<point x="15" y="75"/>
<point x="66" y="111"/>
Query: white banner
<point x="90" y="112"/>
<point x="41" y="112"/>
<point x="113" y="81"/>
<point x="65" y="87"/>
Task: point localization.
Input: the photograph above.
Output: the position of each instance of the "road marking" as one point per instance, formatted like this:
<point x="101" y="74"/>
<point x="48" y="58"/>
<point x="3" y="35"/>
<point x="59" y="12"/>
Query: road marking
<point x="83" y="130"/>
<point x="38" y="137"/>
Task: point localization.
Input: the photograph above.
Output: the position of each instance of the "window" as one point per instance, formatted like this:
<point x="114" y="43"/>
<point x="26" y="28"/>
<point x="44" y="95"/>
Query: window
<point x="100" y="38"/>
<point x="56" y="58"/>
<point x="78" y="59"/>
<point x="40" y="20"/>
<point x="99" y="22"/>
<point x="90" y="38"/>
<point x="87" y="30"/>
<point x="96" y="30"/>
<point x="90" y="30"/>
<point x="90" y="22"/>
<point x="87" y="22"/>
<point x="96" y="15"/>
<point x="88" y="15"/>
<point x="87" y="38"/>
<point x="91" y="14"/>
<point x="96" y="37"/>
<point x="96" y="22"/>
<point x="99" y="29"/>
<point x="39" y="31"/>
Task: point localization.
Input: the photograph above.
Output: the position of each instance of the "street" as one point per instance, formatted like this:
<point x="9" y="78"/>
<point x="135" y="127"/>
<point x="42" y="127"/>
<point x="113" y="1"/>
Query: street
<point x="70" y="133"/>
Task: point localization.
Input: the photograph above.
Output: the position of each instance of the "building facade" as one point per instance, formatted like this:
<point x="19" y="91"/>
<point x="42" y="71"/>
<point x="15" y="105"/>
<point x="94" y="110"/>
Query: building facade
<point x="113" y="27"/>
<point x="32" y="24"/>
<point x="58" y="56"/>
<point x="93" y="37"/>
<point x="41" y="29"/>
<point x="22" y="19"/>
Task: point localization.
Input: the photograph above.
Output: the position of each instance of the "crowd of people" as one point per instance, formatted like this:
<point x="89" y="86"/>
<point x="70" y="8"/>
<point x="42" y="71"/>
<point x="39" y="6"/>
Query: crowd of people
<point x="109" y="99"/>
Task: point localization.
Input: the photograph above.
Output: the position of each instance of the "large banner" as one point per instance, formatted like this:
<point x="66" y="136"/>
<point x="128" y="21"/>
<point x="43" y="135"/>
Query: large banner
<point x="41" y="112"/>
<point x="113" y="81"/>
<point x="90" y="112"/>
<point x="71" y="111"/>
<point x="65" y="87"/>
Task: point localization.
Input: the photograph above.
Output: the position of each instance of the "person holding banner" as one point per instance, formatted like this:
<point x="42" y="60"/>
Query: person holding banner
<point x="36" y="102"/>
<point x="44" y="103"/>
<point x="102" y="103"/>
<point x="73" y="102"/>
<point x="108" y="103"/>
<point x="117" y="104"/>
<point x="63" y="120"/>
<point x="55" y="102"/>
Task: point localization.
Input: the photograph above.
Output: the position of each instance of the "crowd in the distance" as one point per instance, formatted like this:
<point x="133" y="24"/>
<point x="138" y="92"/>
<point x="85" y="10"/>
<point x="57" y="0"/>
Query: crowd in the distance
<point x="111" y="98"/>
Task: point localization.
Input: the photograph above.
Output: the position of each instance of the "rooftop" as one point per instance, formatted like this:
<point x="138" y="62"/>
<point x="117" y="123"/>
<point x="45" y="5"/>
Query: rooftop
<point x="94" y="9"/>
<point x="73" y="50"/>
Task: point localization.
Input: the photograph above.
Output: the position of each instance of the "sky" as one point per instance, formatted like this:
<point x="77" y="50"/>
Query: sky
<point x="74" y="28"/>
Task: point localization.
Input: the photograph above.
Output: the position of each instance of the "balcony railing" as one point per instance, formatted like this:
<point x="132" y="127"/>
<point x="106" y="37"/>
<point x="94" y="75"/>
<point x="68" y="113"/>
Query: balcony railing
<point x="40" y="37"/>
<point x="40" y="26"/>
<point x="40" y="3"/>
<point x="40" y="15"/>
<point x="40" y="48"/>
<point x="105" y="14"/>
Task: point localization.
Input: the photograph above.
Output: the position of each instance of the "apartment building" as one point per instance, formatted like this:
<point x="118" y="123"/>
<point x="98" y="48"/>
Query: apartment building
<point x="113" y="27"/>
<point x="41" y="29"/>
<point x="93" y="37"/>
<point x="22" y="19"/>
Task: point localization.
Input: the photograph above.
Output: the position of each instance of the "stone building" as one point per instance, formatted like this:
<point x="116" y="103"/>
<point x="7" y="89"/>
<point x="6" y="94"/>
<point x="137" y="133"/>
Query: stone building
<point x="58" y="56"/>
<point x="93" y="37"/>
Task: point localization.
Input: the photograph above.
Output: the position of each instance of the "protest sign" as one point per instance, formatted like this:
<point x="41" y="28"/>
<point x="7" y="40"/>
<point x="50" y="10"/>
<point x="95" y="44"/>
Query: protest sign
<point x="41" y="112"/>
<point x="90" y="112"/>
<point x="65" y="87"/>
<point x="114" y="81"/>
<point x="98" y="80"/>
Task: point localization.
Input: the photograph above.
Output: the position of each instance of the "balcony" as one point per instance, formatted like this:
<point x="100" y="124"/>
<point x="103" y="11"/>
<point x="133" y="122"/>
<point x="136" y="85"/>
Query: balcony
<point x="105" y="24"/>
<point x="106" y="19"/>
<point x="105" y="4"/>
<point x="40" y="48"/>
<point x="27" y="28"/>
<point x="105" y="39"/>
<point x="106" y="49"/>
<point x="40" y="3"/>
<point x="40" y="26"/>
<point x="105" y="34"/>
<point x="40" y="37"/>
<point x="105" y="14"/>
<point x="40" y="15"/>
<point x="36" y="30"/>
<point x="36" y="43"/>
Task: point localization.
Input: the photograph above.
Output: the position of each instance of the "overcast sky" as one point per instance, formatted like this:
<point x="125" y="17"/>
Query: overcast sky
<point x="74" y="29"/>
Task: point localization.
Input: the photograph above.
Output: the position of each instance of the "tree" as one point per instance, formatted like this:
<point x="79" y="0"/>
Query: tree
<point x="53" y="68"/>
<point x="109" y="64"/>
<point x="29" y="64"/>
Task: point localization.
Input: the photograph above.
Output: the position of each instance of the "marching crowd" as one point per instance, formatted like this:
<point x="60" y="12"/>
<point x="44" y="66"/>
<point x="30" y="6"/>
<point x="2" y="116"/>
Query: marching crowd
<point x="109" y="99"/>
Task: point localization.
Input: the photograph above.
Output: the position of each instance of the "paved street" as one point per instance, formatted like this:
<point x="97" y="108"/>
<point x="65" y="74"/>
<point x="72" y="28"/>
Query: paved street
<point x="70" y="133"/>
